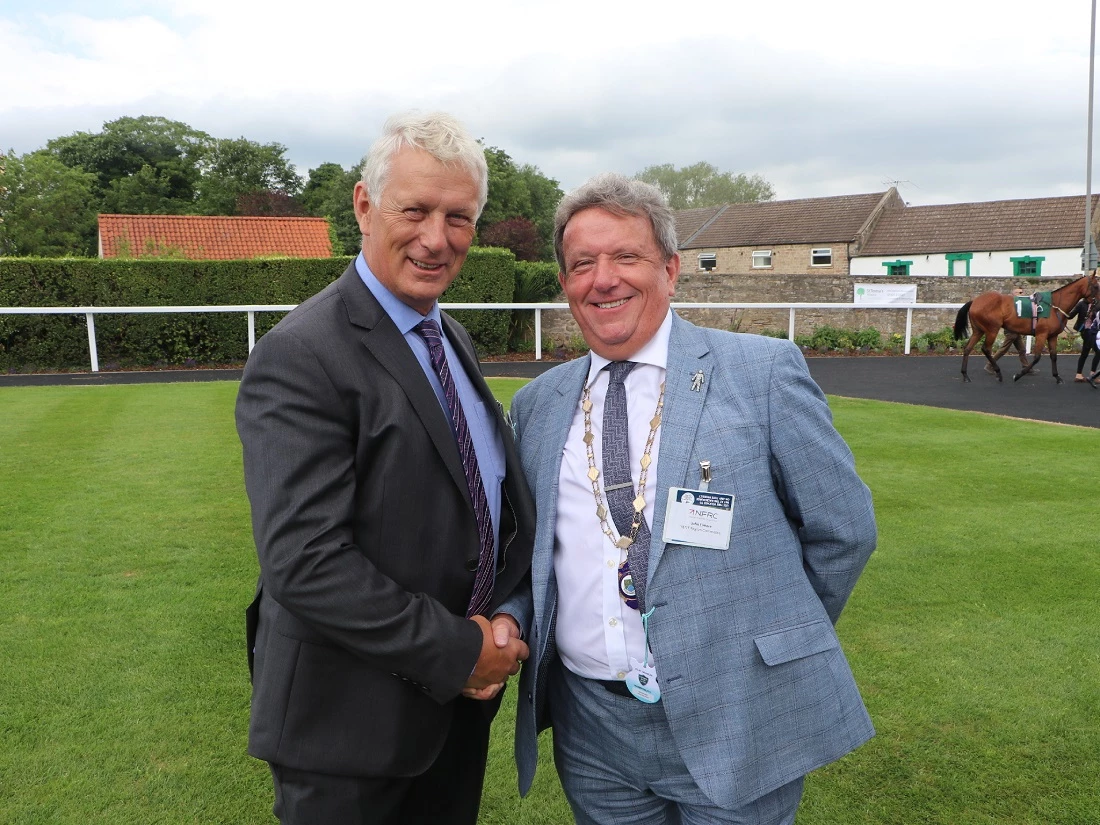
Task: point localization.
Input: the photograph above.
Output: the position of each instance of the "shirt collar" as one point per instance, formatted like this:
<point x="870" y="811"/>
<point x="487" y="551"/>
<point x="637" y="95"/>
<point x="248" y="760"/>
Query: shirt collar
<point x="403" y="315"/>
<point x="654" y="352"/>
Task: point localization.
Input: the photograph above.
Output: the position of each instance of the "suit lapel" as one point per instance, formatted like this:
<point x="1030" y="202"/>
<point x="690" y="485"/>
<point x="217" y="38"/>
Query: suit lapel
<point x="388" y="346"/>
<point x="560" y="403"/>
<point x="688" y="353"/>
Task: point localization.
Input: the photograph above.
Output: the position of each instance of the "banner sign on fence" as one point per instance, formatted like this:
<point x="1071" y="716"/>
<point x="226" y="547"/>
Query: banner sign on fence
<point x="885" y="294"/>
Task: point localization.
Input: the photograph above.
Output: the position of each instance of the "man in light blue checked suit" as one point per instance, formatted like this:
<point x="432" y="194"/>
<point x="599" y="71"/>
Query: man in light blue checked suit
<point x="681" y="619"/>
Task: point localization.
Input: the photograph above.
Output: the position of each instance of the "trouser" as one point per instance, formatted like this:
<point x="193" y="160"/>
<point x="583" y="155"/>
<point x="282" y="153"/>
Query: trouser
<point x="448" y="792"/>
<point x="618" y="763"/>
<point x="1088" y="342"/>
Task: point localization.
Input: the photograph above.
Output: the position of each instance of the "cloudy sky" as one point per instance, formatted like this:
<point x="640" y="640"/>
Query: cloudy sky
<point x="955" y="100"/>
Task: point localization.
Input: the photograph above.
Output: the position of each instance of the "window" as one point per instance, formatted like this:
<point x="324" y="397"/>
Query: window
<point x="762" y="259"/>
<point x="952" y="257"/>
<point x="821" y="257"/>
<point x="708" y="261"/>
<point x="1027" y="265"/>
<point x="897" y="267"/>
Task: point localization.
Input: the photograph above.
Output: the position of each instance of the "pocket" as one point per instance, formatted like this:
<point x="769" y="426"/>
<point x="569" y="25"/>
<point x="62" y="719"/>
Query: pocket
<point x="746" y="441"/>
<point x="796" y="642"/>
<point x="251" y="627"/>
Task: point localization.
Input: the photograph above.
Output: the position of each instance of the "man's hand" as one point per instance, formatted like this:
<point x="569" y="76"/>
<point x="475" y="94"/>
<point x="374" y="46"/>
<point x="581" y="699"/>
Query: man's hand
<point x="502" y="652"/>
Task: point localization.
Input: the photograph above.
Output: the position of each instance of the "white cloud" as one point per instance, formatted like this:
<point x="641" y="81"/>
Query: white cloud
<point x="966" y="101"/>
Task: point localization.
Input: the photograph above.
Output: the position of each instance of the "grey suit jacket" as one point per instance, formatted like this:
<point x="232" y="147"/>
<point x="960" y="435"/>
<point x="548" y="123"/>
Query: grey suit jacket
<point x="366" y="538"/>
<point x="755" y="686"/>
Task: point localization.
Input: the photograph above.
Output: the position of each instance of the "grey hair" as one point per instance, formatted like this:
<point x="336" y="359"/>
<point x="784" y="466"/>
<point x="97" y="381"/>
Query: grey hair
<point x="440" y="135"/>
<point x="619" y="195"/>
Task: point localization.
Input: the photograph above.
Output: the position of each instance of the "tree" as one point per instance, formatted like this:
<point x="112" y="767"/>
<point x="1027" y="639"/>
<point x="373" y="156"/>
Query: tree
<point x="520" y="192"/>
<point x="144" y="193"/>
<point x="44" y="207"/>
<point x="328" y="194"/>
<point x="268" y="204"/>
<point x="234" y="167"/>
<point x="517" y="234"/>
<point x="162" y="154"/>
<point x="702" y="184"/>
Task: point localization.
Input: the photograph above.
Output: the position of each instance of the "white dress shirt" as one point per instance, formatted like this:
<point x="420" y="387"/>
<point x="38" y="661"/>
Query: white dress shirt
<point x="597" y="634"/>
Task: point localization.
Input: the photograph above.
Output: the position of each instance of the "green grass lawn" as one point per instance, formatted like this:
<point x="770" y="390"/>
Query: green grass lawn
<point x="127" y="562"/>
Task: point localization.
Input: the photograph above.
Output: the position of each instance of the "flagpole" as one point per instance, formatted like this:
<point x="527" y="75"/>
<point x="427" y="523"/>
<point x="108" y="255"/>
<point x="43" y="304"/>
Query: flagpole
<point x="1088" y="254"/>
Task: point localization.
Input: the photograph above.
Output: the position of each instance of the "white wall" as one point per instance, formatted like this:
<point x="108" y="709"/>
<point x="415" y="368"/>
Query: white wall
<point x="1059" y="262"/>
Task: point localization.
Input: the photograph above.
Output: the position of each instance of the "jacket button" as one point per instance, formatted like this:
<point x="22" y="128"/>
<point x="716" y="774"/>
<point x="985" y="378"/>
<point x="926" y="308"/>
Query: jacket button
<point x="471" y="565"/>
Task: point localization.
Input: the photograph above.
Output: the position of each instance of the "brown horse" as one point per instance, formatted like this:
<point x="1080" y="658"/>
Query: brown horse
<point x="992" y="311"/>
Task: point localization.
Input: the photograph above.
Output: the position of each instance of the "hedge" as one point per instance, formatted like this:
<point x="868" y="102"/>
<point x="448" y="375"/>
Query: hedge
<point x="31" y="343"/>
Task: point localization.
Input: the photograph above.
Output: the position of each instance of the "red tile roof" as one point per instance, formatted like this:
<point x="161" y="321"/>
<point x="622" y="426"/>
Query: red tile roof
<point x="1033" y="223"/>
<point x="809" y="220"/>
<point x="208" y="238"/>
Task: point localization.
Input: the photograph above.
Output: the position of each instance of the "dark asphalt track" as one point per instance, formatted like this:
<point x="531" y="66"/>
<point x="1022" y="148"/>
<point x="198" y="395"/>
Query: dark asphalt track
<point x="929" y="380"/>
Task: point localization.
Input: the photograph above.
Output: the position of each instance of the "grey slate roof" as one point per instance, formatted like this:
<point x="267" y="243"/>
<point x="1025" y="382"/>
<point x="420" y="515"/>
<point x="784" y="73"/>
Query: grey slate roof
<point x="1028" y="224"/>
<point x="809" y="220"/>
<point x="690" y="221"/>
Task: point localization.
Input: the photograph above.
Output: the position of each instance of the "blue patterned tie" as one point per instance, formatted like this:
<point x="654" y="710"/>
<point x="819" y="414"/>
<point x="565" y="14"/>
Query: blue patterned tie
<point x="483" y="581"/>
<point x="618" y="487"/>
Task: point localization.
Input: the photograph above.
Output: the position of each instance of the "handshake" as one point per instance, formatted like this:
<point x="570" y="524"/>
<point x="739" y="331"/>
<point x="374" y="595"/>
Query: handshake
<point x="502" y="652"/>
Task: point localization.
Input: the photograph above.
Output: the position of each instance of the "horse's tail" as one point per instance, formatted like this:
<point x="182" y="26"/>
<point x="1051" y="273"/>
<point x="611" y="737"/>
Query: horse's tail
<point x="961" y="326"/>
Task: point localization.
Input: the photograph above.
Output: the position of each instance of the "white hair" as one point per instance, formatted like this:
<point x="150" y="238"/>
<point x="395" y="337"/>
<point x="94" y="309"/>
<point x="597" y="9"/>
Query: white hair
<point x="440" y="135"/>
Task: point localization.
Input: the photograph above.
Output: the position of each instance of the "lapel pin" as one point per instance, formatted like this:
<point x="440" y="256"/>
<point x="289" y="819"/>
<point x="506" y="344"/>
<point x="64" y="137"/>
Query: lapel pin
<point x="697" y="381"/>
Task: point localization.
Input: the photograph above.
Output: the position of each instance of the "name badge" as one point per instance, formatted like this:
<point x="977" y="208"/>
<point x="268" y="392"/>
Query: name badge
<point x="699" y="518"/>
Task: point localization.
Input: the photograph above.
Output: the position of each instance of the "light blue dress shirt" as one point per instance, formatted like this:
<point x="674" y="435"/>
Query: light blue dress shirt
<point x="487" y="441"/>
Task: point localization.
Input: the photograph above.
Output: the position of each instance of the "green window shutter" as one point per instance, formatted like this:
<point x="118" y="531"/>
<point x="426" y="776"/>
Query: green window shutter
<point x="1027" y="265"/>
<point x="958" y="256"/>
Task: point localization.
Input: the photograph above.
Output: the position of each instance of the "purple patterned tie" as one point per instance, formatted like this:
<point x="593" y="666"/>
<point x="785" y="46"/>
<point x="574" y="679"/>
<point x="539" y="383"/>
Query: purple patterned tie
<point x="483" y="581"/>
<point x="618" y="485"/>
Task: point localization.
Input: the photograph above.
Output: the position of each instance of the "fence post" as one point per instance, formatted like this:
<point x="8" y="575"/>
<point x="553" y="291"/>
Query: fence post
<point x="908" y="328"/>
<point x="90" y="316"/>
<point x="538" y="334"/>
<point x="251" y="330"/>
<point x="790" y="326"/>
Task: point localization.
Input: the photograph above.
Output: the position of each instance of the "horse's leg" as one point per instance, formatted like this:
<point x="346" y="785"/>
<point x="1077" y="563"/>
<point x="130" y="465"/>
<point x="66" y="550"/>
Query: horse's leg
<point x="988" y="336"/>
<point x="997" y="355"/>
<point x="1011" y="340"/>
<point x="987" y="351"/>
<point x="967" y="350"/>
<point x="1038" y="355"/>
<point x="1052" y="348"/>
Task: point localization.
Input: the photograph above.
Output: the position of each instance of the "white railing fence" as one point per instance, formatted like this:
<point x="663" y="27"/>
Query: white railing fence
<point x="250" y="312"/>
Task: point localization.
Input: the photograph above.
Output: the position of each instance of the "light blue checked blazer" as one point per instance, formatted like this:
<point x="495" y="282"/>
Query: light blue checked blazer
<point x="754" y="683"/>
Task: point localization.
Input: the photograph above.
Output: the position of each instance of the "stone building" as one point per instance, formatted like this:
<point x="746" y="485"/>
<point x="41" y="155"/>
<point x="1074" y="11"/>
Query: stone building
<point x="811" y="236"/>
<point x="1029" y="237"/>
<point x="821" y="250"/>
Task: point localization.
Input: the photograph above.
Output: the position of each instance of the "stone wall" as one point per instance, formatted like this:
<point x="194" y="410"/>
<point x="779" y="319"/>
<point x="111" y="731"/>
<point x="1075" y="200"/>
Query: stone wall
<point x="559" y="328"/>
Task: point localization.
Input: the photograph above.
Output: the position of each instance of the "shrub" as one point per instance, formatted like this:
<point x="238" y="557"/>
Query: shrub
<point x="52" y="342"/>
<point x="868" y="339"/>
<point x="940" y="340"/>
<point x="536" y="282"/>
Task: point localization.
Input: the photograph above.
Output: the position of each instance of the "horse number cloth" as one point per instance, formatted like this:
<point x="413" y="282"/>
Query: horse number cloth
<point x="1025" y="305"/>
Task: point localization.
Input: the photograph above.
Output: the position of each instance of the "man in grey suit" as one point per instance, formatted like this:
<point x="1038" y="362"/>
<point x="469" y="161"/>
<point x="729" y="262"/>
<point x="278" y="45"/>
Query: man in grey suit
<point x="388" y="509"/>
<point x="700" y="527"/>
